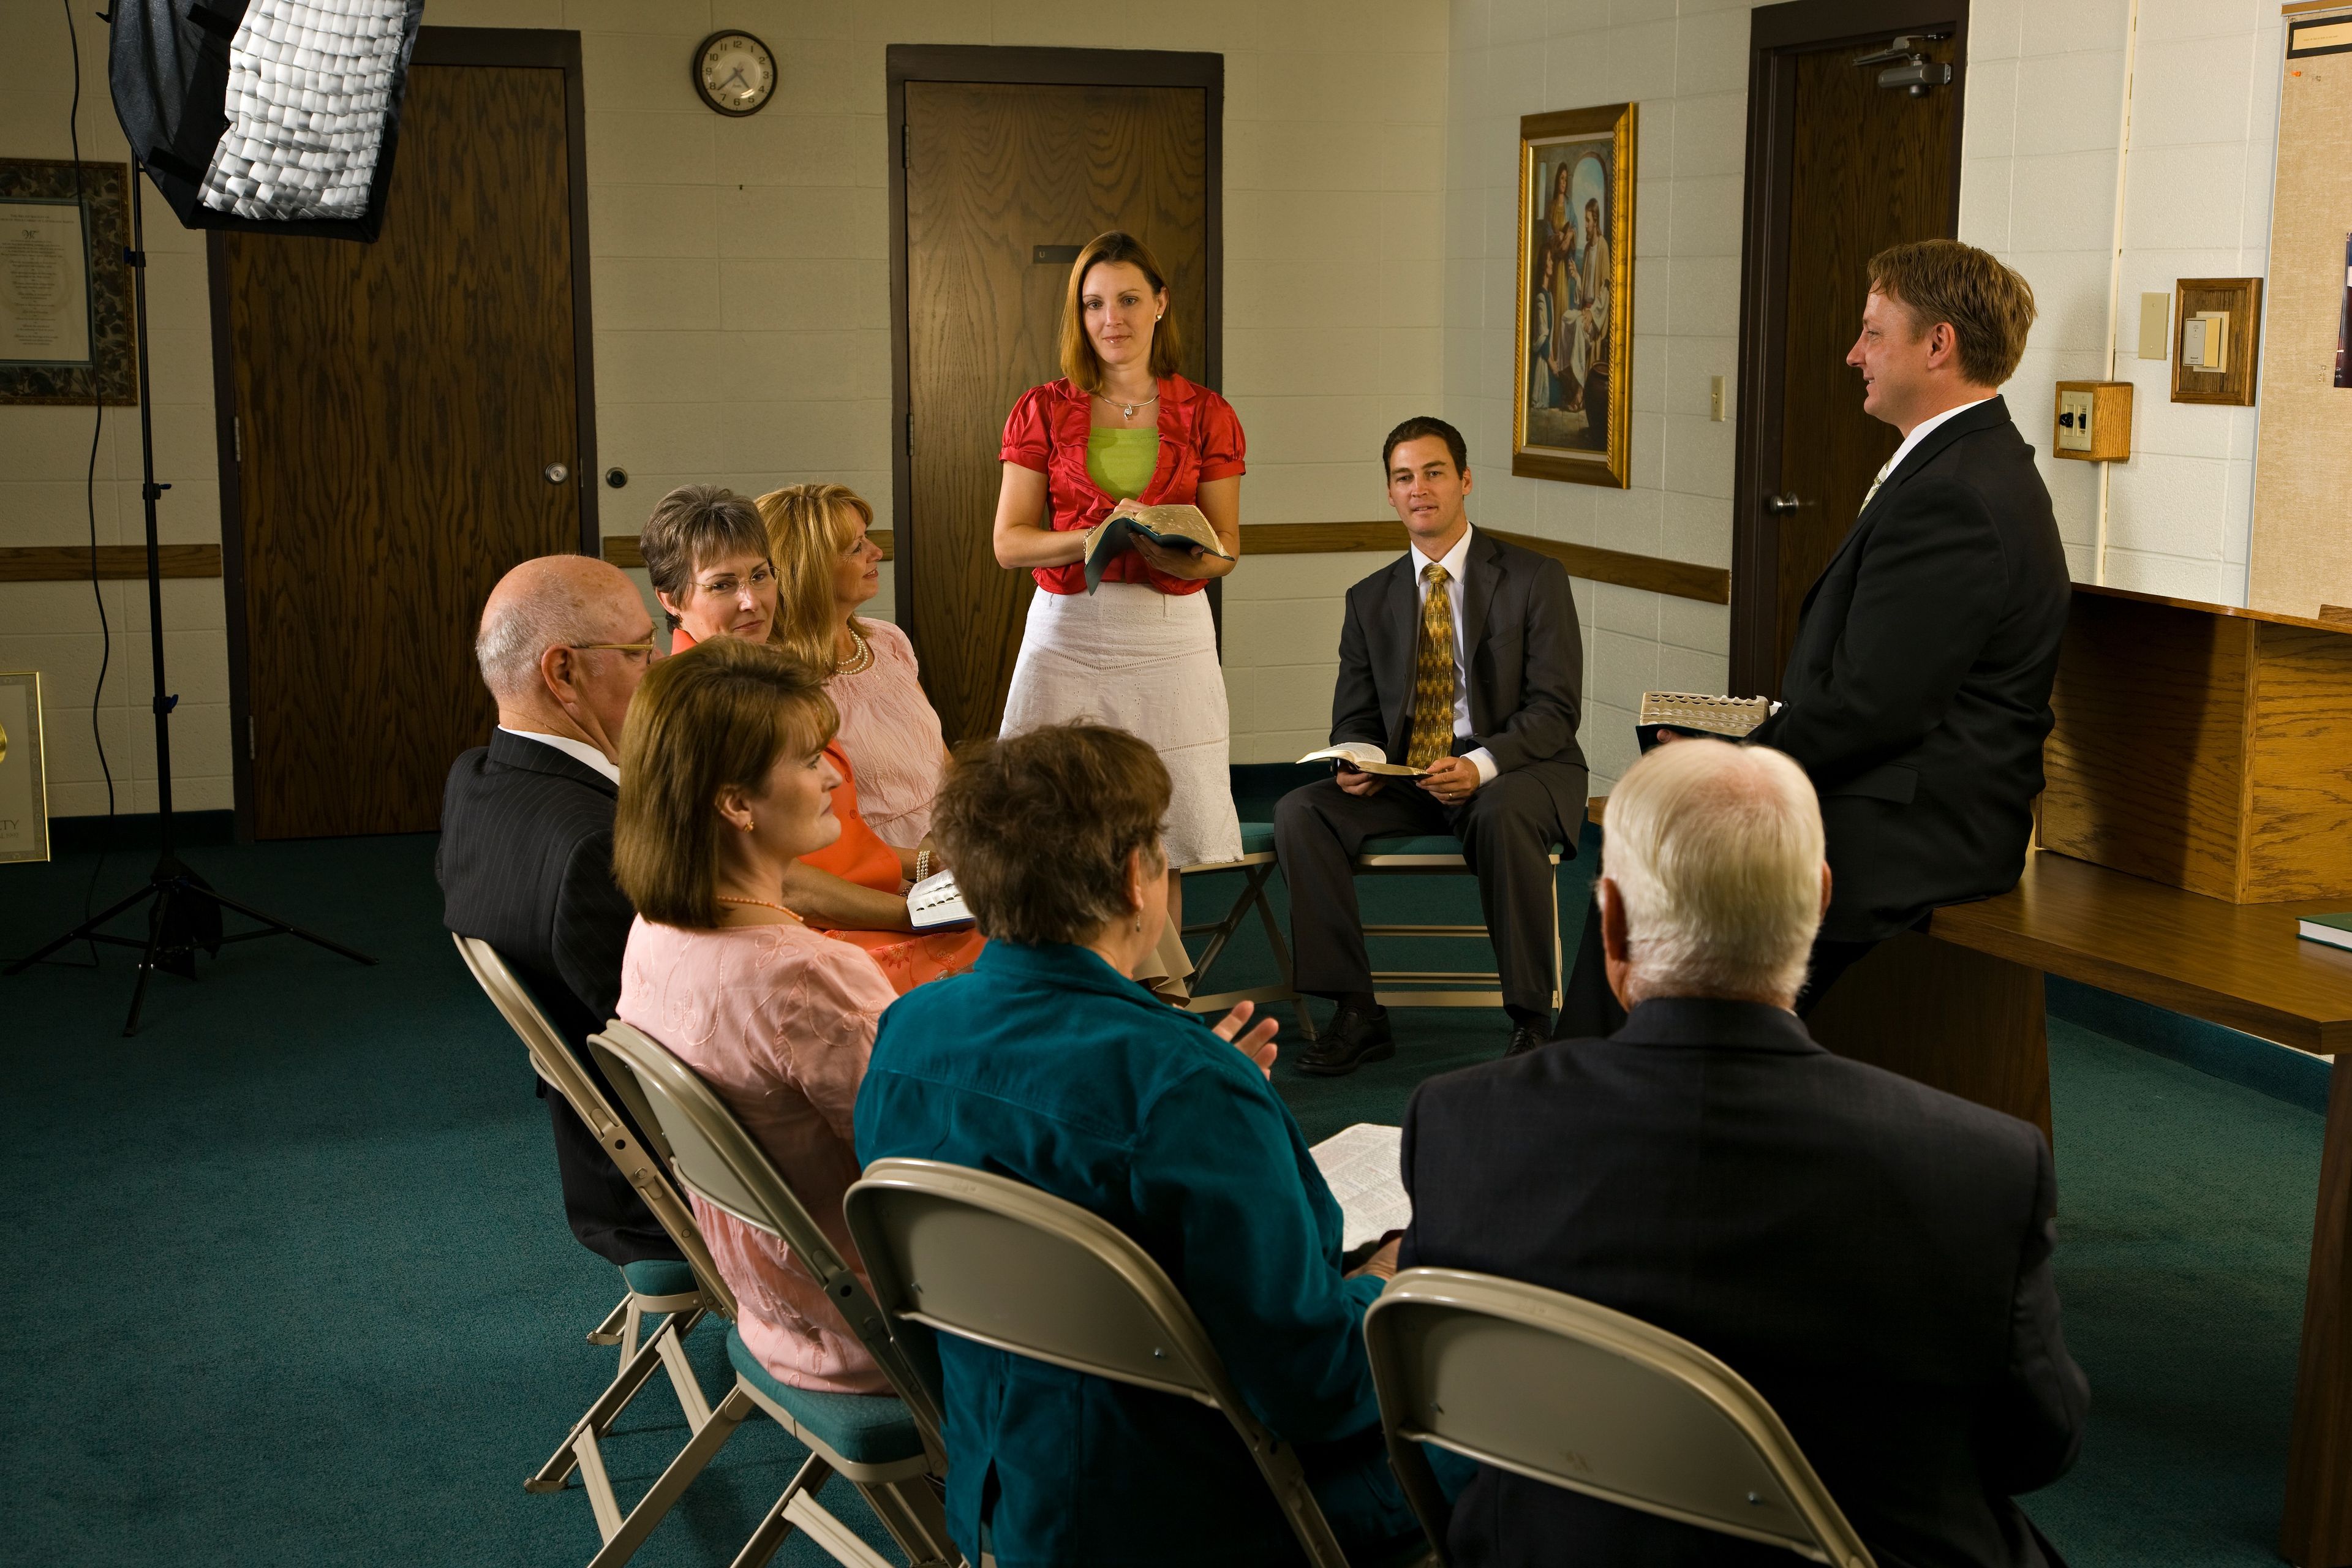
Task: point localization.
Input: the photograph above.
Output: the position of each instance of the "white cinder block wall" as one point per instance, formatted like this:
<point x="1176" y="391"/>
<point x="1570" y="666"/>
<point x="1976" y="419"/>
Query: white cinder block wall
<point x="2042" y="187"/>
<point x="741" y="299"/>
<point x="1687" y="65"/>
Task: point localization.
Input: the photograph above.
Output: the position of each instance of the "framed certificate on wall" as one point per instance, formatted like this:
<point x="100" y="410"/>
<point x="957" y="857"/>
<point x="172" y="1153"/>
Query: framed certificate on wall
<point x="23" y="776"/>
<point x="65" y="284"/>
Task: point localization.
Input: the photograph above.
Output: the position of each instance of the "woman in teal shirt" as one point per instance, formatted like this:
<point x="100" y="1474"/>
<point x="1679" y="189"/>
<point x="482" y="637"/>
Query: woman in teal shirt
<point x="1045" y="1063"/>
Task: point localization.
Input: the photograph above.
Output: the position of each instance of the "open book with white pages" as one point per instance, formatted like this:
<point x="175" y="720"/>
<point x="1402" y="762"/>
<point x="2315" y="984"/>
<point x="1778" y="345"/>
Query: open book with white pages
<point x="1360" y="1166"/>
<point x="1363" y="757"/>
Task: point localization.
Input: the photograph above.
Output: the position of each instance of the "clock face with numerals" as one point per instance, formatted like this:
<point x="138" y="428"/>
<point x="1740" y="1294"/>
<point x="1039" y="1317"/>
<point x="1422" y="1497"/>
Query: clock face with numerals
<point x="734" y="72"/>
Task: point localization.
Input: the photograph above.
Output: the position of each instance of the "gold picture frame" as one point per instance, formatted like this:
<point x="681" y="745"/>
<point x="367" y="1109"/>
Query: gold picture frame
<point x="24" y="768"/>
<point x="1572" y="392"/>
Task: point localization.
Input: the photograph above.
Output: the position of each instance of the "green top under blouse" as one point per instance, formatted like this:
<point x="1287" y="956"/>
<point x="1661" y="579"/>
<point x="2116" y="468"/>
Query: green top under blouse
<point x="1121" y="462"/>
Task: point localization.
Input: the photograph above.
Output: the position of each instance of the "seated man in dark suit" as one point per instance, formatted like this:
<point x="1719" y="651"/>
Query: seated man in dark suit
<point x="1918" y="692"/>
<point x="1464" y="657"/>
<point x="526" y="855"/>
<point x="1871" y="1254"/>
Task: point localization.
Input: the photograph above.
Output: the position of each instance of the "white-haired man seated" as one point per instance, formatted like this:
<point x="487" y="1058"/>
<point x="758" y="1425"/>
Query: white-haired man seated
<point x="1871" y="1254"/>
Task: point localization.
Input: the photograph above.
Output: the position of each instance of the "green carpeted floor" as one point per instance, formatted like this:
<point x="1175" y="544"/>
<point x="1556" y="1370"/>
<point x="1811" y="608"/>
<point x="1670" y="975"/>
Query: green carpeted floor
<point x="312" y="1301"/>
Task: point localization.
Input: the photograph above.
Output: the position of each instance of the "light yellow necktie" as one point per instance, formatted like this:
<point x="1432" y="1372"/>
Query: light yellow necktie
<point x="1433" y="674"/>
<point x="1873" y="487"/>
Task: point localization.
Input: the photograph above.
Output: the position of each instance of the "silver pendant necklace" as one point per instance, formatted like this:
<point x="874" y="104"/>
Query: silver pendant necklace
<point x="1128" y="409"/>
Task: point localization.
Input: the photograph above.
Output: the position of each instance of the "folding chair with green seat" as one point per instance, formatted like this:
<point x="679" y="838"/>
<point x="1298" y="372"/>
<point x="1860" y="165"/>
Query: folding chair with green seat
<point x="1558" y="1389"/>
<point x="996" y="1261"/>
<point x="885" y="1444"/>
<point x="679" y="1293"/>
<point x="1439" y="855"/>
<point x="1256" y="866"/>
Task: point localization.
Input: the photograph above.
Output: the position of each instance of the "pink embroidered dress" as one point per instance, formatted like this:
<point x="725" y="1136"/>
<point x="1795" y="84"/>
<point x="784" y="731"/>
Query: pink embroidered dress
<point x="778" y="1020"/>
<point x="892" y="736"/>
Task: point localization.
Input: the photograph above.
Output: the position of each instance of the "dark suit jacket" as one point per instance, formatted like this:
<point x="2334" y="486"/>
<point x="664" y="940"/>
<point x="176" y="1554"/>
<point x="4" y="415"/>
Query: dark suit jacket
<point x="1525" y="652"/>
<point x="526" y="864"/>
<point x="1871" y="1254"/>
<point x="1918" y="692"/>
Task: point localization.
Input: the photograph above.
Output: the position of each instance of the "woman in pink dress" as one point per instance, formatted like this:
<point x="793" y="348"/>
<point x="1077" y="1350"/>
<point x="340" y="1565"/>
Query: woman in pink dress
<point x="724" y="783"/>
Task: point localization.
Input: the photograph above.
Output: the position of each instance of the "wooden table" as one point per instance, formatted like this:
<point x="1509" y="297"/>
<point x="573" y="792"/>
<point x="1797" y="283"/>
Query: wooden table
<point x="1960" y="1008"/>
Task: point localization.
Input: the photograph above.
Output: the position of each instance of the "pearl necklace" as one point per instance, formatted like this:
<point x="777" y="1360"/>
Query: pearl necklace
<point x="761" y="903"/>
<point x="861" y="657"/>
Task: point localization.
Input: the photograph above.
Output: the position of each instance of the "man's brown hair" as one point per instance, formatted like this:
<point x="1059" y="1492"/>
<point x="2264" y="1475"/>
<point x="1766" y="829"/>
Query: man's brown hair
<point x="1039" y="828"/>
<point x="1079" y="361"/>
<point x="692" y="526"/>
<point x="721" y="713"/>
<point x="1989" y="307"/>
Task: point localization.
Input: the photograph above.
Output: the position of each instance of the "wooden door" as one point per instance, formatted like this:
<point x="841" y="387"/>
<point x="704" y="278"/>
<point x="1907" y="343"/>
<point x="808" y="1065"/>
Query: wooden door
<point x="397" y="406"/>
<point x="1849" y="168"/>
<point x="1004" y="182"/>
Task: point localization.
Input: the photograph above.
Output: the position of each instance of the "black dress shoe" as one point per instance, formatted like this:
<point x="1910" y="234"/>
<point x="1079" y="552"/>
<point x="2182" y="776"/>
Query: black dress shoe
<point x="1524" y="1038"/>
<point x="1354" y="1037"/>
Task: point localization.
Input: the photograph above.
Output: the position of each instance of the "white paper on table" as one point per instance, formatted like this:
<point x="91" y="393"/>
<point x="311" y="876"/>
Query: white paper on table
<point x="1360" y="1166"/>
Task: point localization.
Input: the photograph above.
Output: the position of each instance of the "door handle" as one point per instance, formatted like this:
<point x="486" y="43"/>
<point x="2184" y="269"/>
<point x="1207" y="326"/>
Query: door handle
<point x="556" y="473"/>
<point x="1782" y="505"/>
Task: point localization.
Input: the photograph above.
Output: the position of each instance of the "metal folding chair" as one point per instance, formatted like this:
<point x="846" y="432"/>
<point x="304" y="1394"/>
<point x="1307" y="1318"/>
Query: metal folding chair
<point x="1256" y="866"/>
<point x="886" y="1444"/>
<point x="1557" y="1389"/>
<point x="680" y="1294"/>
<point x="1439" y="855"/>
<point x="1000" y="1263"/>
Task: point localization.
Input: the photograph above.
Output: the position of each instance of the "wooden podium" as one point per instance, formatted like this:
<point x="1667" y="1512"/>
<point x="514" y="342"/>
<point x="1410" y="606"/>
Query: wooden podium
<point x="2200" y="799"/>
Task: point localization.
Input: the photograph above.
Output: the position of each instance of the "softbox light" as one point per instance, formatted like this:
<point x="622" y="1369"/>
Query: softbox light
<point x="278" y="115"/>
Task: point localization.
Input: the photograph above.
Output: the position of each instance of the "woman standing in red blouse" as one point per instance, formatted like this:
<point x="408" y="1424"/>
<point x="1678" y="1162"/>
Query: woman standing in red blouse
<point x="1122" y="429"/>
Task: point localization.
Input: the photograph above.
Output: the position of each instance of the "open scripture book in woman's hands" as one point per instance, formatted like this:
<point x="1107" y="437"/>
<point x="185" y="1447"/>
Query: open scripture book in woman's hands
<point x="1170" y="526"/>
<point x="1363" y="757"/>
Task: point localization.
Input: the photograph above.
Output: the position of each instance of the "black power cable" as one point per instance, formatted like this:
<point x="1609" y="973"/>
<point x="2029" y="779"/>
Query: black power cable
<point x="90" y="475"/>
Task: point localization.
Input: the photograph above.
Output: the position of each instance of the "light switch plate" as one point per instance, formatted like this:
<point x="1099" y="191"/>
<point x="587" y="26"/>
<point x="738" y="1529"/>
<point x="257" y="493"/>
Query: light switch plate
<point x="2155" y="326"/>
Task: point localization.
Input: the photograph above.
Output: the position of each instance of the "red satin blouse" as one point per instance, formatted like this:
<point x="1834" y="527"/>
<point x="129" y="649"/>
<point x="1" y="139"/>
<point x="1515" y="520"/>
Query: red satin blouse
<point x="1199" y="439"/>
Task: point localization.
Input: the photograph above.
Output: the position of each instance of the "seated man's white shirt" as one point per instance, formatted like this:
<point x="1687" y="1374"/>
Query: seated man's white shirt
<point x="580" y="751"/>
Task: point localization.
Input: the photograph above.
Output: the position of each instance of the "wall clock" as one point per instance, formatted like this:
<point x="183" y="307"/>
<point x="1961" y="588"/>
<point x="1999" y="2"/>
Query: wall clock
<point x="734" y="72"/>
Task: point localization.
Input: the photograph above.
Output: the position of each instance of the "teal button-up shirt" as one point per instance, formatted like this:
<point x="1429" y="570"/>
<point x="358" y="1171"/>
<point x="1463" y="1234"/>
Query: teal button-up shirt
<point x="1047" y="1066"/>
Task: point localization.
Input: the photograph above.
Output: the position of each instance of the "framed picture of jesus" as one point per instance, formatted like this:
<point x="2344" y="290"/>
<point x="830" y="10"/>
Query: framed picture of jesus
<point x="1575" y="360"/>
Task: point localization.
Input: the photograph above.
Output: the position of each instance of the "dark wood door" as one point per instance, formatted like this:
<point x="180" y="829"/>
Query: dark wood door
<point x="1002" y="181"/>
<point x="1840" y="168"/>
<point x="397" y="406"/>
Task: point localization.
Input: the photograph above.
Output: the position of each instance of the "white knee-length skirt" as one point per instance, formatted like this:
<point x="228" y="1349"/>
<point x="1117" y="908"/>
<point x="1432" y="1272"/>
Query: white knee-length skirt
<point x="1147" y="661"/>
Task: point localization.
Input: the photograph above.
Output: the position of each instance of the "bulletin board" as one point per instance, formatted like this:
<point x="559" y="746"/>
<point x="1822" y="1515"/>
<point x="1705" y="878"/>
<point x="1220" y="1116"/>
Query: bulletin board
<point x="2301" y="553"/>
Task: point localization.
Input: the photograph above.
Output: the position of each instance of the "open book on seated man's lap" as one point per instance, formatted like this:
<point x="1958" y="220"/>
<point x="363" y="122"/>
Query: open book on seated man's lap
<point x="1170" y="527"/>
<point x="1363" y="757"/>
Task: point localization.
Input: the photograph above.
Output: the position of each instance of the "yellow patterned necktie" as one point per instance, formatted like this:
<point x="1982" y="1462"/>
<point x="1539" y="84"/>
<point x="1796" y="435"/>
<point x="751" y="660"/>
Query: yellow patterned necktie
<point x="1433" y="674"/>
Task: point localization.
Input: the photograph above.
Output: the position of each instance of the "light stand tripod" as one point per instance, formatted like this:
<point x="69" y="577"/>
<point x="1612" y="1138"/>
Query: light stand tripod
<point x="188" y="911"/>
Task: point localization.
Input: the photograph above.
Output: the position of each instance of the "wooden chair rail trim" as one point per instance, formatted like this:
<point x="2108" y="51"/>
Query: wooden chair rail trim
<point x="70" y="562"/>
<point x="1681" y="579"/>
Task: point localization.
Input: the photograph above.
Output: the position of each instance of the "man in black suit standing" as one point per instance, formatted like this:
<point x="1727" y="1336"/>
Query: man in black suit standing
<point x="1873" y="1255"/>
<point x="1464" y="657"/>
<point x="526" y="855"/>
<point x="1918" y="692"/>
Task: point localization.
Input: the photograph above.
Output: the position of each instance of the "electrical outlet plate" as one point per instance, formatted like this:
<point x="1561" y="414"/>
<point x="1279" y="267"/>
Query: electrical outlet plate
<point x="2074" y="421"/>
